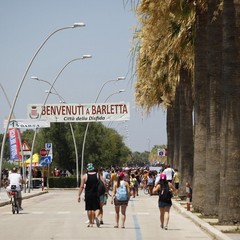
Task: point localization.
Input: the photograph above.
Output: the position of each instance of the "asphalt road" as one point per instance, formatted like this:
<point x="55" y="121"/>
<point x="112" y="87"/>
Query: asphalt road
<point x="58" y="215"/>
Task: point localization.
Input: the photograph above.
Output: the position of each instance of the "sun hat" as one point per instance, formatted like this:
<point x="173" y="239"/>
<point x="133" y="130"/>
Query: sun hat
<point x="90" y="167"/>
<point x="163" y="176"/>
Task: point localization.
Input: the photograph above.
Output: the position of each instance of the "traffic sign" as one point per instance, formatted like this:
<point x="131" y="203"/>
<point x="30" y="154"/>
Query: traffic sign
<point x="48" y="146"/>
<point x="25" y="146"/>
<point x="45" y="160"/>
<point x="43" y="152"/>
<point x="161" y="152"/>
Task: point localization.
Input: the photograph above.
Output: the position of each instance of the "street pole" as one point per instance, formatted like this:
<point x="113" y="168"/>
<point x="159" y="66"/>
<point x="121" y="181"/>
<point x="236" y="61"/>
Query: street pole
<point x="20" y="86"/>
<point x="86" y="130"/>
<point x="48" y="93"/>
<point x="19" y="139"/>
<point x="74" y="140"/>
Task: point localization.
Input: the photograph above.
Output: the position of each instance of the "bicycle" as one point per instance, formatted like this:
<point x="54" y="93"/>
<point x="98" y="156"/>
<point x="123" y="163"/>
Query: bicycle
<point x="14" y="199"/>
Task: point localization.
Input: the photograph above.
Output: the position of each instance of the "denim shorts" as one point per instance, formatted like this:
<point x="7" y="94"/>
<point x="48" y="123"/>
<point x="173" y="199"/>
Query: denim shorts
<point x="164" y="204"/>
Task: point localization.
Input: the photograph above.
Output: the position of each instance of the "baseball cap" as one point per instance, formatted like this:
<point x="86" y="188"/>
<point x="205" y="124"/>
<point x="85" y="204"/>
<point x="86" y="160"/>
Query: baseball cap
<point x="90" y="167"/>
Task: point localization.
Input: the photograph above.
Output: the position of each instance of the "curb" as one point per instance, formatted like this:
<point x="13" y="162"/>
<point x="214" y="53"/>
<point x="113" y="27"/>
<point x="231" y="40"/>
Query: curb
<point x="24" y="197"/>
<point x="215" y="233"/>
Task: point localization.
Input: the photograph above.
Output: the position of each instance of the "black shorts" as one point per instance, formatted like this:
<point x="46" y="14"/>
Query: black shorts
<point x="120" y="203"/>
<point x="92" y="202"/>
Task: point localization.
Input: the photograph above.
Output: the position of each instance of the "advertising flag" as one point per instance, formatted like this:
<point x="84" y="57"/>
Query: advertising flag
<point x="14" y="142"/>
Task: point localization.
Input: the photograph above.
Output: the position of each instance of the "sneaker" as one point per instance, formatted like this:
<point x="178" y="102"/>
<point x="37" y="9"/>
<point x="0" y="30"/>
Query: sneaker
<point x="97" y="222"/>
<point x="166" y="228"/>
<point x="101" y="221"/>
<point x="20" y="208"/>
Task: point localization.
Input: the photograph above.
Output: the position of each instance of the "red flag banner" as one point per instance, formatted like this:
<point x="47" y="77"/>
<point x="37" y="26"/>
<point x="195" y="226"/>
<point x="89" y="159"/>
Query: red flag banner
<point x="14" y="142"/>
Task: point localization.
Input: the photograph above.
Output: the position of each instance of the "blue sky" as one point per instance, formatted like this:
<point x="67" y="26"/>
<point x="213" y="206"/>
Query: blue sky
<point x="107" y="36"/>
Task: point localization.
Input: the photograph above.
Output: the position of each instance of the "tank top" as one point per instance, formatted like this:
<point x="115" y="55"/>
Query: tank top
<point x="91" y="183"/>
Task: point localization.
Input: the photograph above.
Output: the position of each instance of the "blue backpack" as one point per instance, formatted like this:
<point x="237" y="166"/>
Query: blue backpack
<point x="121" y="193"/>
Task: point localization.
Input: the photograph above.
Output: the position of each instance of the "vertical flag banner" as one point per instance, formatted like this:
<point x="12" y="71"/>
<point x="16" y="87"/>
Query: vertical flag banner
<point x="14" y="143"/>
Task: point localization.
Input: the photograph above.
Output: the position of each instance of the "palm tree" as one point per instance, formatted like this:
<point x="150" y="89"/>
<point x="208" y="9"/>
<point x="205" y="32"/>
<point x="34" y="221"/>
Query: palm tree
<point x="170" y="134"/>
<point x="213" y="121"/>
<point x="229" y="204"/>
<point x="200" y="105"/>
<point x="164" y="66"/>
<point x="186" y="129"/>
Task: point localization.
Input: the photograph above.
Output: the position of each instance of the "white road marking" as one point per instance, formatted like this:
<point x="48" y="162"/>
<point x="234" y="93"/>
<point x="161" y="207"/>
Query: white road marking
<point x="137" y="213"/>
<point x="66" y="212"/>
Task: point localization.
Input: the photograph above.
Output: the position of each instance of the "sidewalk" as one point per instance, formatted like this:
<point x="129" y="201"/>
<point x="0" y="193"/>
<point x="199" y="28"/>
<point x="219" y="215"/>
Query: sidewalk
<point x="4" y="199"/>
<point x="210" y="225"/>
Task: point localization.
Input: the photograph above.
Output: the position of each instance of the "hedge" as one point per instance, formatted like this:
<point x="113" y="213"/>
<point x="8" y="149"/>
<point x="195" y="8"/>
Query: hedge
<point x="62" y="182"/>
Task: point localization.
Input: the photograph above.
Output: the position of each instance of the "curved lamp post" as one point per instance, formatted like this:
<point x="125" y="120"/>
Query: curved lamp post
<point x="86" y="130"/>
<point x="5" y="94"/>
<point x="73" y="137"/>
<point x="120" y="91"/>
<point x="51" y="87"/>
<point x="75" y="25"/>
<point x="19" y="137"/>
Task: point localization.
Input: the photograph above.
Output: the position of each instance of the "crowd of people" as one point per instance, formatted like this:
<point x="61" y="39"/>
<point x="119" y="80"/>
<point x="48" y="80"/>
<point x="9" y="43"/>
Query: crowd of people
<point x="125" y="184"/>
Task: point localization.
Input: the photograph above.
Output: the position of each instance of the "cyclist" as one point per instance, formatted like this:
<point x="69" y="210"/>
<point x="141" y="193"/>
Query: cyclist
<point x="15" y="178"/>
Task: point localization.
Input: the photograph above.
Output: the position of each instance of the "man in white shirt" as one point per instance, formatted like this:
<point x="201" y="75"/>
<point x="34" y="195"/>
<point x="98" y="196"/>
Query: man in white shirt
<point x="15" y="178"/>
<point x="169" y="172"/>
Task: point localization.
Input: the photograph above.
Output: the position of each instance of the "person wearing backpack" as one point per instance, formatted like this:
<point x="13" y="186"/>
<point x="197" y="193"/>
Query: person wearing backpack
<point x="102" y="192"/>
<point x="165" y="189"/>
<point x="120" y="197"/>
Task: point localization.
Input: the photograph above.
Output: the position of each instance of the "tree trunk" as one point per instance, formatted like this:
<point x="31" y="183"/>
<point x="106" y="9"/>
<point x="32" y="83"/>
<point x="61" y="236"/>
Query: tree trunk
<point x="176" y="107"/>
<point x="200" y="87"/>
<point x="186" y="130"/>
<point x="170" y="135"/>
<point x="229" y="204"/>
<point x="214" y="31"/>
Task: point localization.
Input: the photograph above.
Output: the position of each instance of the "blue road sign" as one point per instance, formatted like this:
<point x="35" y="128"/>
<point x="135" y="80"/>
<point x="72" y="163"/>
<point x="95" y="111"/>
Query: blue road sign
<point x="48" y="145"/>
<point x="45" y="160"/>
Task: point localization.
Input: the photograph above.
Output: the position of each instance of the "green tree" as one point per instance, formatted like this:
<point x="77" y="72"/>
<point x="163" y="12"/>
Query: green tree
<point x="138" y="159"/>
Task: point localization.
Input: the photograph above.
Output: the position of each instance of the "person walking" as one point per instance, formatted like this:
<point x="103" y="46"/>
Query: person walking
<point x="176" y="180"/>
<point x="102" y="194"/>
<point x="165" y="189"/>
<point x="92" y="203"/>
<point x="150" y="183"/>
<point x="120" y="197"/>
<point x="169" y="173"/>
<point x="133" y="185"/>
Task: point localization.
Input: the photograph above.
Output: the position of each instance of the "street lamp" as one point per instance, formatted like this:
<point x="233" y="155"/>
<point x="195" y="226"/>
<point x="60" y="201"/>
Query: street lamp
<point x="120" y="91"/>
<point x="51" y="87"/>
<point x="86" y="130"/>
<point x="19" y="138"/>
<point x="73" y="136"/>
<point x="75" y="25"/>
